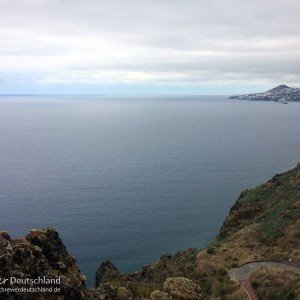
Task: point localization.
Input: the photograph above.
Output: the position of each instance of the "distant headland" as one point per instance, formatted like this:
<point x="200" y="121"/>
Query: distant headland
<point x="282" y="93"/>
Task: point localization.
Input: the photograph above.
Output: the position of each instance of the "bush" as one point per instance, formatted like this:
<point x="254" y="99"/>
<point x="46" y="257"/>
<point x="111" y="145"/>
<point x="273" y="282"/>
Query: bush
<point x="255" y="284"/>
<point x="219" y="289"/>
<point x="222" y="272"/>
<point x="210" y="250"/>
<point x="291" y="295"/>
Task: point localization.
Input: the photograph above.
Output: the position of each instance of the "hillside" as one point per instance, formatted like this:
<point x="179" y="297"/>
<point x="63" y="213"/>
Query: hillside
<point x="281" y="93"/>
<point x="263" y="224"/>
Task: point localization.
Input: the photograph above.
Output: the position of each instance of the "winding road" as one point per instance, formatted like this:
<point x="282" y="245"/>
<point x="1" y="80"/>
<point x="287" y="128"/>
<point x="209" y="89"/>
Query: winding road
<point x="242" y="273"/>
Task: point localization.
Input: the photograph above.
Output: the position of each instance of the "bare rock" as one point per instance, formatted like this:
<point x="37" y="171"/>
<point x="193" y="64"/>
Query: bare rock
<point x="106" y="271"/>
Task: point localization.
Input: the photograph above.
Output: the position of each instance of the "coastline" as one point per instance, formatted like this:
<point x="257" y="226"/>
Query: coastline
<point x="190" y="269"/>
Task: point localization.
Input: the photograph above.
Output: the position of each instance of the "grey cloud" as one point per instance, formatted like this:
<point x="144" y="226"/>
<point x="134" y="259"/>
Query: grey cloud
<point x="246" y="40"/>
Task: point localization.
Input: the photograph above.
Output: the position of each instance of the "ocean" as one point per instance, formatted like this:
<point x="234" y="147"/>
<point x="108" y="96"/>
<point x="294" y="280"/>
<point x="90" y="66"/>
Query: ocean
<point x="128" y="179"/>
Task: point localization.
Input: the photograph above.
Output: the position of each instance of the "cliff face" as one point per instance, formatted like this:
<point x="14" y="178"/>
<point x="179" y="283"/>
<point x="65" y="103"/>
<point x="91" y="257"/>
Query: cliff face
<point x="263" y="224"/>
<point x="281" y="93"/>
<point x="41" y="264"/>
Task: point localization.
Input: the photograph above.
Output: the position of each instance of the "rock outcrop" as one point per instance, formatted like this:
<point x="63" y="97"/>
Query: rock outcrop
<point x="105" y="272"/>
<point x="281" y="93"/>
<point x="41" y="254"/>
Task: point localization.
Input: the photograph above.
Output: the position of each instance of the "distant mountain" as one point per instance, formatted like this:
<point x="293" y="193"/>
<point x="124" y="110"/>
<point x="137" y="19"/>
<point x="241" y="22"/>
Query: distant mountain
<point x="281" y="93"/>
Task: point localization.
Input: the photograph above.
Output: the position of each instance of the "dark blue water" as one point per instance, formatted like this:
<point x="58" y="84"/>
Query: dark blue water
<point x="130" y="179"/>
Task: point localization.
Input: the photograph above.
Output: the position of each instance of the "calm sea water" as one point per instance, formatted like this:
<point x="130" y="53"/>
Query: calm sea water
<point x="129" y="179"/>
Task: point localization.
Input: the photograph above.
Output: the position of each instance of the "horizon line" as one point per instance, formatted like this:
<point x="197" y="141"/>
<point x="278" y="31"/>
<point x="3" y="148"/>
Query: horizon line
<point x="114" y="95"/>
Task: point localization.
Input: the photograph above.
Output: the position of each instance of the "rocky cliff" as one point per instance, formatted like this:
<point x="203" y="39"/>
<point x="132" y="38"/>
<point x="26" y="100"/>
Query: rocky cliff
<point x="281" y="93"/>
<point x="40" y="255"/>
<point x="262" y="224"/>
<point x="39" y="267"/>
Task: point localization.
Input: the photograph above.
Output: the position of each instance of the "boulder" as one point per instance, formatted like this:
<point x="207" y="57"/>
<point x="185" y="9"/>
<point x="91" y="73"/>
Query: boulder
<point x="105" y="271"/>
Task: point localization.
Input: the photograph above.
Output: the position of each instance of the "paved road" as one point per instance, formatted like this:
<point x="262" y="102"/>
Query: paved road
<point x="242" y="273"/>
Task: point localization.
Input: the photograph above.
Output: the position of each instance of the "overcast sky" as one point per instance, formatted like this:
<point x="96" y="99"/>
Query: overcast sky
<point x="163" y="46"/>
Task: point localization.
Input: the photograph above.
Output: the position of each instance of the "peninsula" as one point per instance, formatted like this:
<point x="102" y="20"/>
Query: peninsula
<point x="281" y="93"/>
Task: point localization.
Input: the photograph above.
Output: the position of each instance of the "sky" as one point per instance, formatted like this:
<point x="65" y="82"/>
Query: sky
<point x="148" y="47"/>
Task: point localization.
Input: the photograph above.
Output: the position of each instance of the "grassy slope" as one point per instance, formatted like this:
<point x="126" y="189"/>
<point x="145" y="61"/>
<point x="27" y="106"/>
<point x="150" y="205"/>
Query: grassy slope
<point x="262" y="224"/>
<point x="272" y="206"/>
<point x="276" y="284"/>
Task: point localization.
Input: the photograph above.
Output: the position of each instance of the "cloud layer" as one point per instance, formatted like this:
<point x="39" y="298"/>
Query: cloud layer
<point x="168" y="42"/>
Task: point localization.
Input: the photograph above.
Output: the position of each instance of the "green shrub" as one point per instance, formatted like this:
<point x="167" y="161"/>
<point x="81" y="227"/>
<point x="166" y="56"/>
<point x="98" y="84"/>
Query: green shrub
<point x="255" y="284"/>
<point x="291" y="295"/>
<point x="210" y="250"/>
<point x="222" y="272"/>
